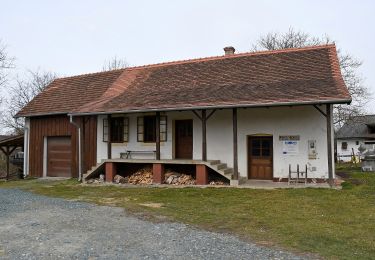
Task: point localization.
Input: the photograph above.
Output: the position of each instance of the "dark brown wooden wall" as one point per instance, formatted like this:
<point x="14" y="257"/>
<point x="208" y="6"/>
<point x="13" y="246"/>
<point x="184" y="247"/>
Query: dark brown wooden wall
<point x="89" y="130"/>
<point x="45" y="126"/>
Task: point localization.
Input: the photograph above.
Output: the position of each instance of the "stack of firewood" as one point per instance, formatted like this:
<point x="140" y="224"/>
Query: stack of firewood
<point x="176" y="178"/>
<point x="145" y="176"/>
<point x="142" y="176"/>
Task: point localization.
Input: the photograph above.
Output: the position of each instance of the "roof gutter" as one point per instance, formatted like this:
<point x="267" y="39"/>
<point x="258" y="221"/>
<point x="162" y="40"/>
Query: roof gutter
<point x="42" y="114"/>
<point x="345" y="101"/>
<point x="341" y="101"/>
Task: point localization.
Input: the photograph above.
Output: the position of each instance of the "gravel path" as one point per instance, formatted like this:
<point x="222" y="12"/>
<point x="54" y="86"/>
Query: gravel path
<point x="39" y="227"/>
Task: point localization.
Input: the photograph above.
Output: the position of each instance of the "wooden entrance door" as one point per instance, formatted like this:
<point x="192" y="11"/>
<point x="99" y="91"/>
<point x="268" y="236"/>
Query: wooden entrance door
<point x="260" y="157"/>
<point x="184" y="139"/>
<point x="59" y="157"/>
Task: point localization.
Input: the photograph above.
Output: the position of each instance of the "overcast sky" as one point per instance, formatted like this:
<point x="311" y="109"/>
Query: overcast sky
<point x="75" y="37"/>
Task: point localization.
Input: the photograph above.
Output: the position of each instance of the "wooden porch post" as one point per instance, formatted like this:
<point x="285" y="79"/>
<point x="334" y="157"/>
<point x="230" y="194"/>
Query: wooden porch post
<point x="7" y="152"/>
<point x="329" y="143"/>
<point x="157" y="135"/>
<point x="204" y="135"/>
<point x="109" y="148"/>
<point x="235" y="149"/>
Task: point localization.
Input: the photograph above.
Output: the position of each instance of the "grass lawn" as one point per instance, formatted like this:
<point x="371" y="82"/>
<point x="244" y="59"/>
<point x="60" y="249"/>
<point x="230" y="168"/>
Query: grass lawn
<point x="336" y="224"/>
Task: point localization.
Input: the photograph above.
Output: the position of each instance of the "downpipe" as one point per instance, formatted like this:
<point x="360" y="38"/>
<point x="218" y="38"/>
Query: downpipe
<point x="79" y="147"/>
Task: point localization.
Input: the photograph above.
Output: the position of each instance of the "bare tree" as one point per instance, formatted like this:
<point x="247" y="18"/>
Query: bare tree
<point x="21" y="93"/>
<point x="114" y="64"/>
<point x="349" y="69"/>
<point x="6" y="62"/>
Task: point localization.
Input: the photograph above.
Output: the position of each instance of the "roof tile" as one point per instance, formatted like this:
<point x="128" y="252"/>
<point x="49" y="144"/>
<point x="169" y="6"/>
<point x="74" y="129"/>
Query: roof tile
<point x="309" y="74"/>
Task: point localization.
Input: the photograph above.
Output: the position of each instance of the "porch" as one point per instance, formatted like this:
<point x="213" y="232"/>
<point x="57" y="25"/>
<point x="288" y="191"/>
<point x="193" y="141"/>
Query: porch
<point x="8" y="146"/>
<point x="237" y="143"/>
<point x="202" y="169"/>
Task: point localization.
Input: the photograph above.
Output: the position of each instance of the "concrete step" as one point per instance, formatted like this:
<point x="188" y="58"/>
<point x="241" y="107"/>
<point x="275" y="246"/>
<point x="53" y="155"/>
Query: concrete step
<point x="221" y="166"/>
<point x="229" y="176"/>
<point x="92" y="170"/>
<point x="240" y="181"/>
<point x="214" y="162"/>
<point x="228" y="170"/>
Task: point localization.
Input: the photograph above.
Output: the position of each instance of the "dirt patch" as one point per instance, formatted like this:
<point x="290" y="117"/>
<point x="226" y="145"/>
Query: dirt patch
<point x="152" y="205"/>
<point x="112" y="201"/>
<point x="356" y="181"/>
<point x="343" y="175"/>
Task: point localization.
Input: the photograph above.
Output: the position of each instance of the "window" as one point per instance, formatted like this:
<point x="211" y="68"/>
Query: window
<point x="149" y="129"/>
<point x="256" y="147"/>
<point x="105" y="130"/>
<point x="261" y="147"/>
<point x="163" y="128"/>
<point x="119" y="129"/>
<point x="344" y="145"/>
<point x="146" y="129"/>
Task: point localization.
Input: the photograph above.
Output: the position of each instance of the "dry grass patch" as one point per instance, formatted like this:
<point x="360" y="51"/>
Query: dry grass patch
<point x="152" y="205"/>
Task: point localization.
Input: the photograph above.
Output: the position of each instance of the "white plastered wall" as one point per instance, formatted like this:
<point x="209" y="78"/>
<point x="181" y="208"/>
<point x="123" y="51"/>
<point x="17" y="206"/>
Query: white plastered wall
<point x="345" y="154"/>
<point x="166" y="148"/>
<point x="304" y="121"/>
<point x="26" y="148"/>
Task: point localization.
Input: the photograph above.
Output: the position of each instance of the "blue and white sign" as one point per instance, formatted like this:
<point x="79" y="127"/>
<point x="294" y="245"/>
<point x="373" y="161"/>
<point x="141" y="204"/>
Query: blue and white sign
<point x="290" y="147"/>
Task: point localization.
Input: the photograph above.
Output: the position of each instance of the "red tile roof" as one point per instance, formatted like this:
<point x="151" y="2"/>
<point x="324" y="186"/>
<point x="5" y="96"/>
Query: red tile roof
<point x="308" y="75"/>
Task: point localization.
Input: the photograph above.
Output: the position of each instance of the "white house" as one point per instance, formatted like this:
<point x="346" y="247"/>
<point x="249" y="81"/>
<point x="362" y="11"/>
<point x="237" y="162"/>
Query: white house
<point x="244" y="116"/>
<point x="356" y="132"/>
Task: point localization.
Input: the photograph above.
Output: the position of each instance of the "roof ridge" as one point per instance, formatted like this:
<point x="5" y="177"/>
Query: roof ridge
<point x="210" y="58"/>
<point x="243" y="54"/>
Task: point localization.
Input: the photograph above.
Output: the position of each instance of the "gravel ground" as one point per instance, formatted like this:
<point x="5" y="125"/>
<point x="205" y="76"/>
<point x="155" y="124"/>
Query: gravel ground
<point x="39" y="227"/>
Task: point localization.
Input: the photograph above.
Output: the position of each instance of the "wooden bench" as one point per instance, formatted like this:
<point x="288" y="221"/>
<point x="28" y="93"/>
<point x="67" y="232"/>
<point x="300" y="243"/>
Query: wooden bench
<point x="128" y="154"/>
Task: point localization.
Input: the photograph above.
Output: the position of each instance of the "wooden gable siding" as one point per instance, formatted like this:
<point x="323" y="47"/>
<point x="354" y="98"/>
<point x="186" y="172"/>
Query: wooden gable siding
<point x="46" y="126"/>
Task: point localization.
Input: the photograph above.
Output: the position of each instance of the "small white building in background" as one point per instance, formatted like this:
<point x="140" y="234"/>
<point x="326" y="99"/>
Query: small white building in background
<point x="356" y="132"/>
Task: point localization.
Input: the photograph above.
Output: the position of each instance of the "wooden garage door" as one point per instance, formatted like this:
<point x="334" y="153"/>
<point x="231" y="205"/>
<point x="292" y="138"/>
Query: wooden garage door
<point x="59" y="157"/>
